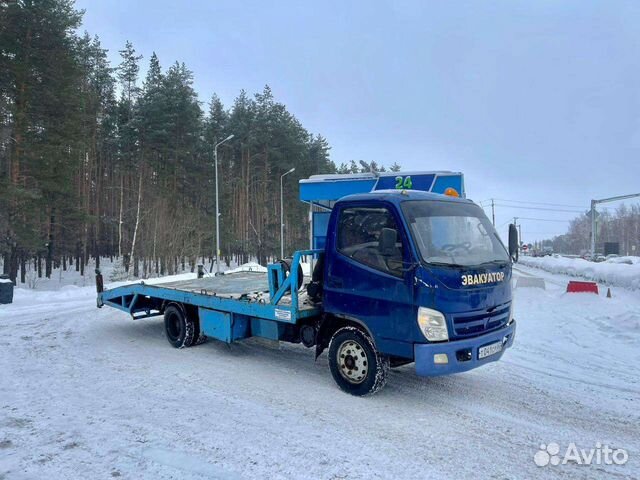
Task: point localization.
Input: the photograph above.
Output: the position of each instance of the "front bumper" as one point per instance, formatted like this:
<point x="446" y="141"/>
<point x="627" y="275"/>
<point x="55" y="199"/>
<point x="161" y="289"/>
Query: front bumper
<point x="462" y="354"/>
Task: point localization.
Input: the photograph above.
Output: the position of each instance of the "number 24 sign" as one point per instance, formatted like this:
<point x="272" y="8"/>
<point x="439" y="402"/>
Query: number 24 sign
<point x="404" y="183"/>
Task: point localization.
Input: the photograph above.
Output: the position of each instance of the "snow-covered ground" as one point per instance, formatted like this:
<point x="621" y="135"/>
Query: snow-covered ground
<point x="618" y="271"/>
<point x="88" y="393"/>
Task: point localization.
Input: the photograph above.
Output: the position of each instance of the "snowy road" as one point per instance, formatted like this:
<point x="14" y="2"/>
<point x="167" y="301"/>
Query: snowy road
<point x="87" y="393"/>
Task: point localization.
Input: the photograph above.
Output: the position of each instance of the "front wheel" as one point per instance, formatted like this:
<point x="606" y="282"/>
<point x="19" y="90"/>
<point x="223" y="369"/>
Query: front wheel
<point x="356" y="366"/>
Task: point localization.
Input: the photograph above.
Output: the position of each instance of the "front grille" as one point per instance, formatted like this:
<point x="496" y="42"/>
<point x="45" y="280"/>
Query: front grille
<point x="472" y="325"/>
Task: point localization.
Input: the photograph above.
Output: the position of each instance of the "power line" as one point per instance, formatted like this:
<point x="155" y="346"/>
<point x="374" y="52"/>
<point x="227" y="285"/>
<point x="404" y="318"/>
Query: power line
<point x="544" y="219"/>
<point x="546" y="209"/>
<point x="540" y="208"/>
<point x="487" y="202"/>
<point x="535" y="220"/>
<point x="538" y="203"/>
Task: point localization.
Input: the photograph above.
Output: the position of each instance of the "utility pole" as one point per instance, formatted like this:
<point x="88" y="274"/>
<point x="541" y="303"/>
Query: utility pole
<point x="493" y="213"/>
<point x="520" y="233"/>
<point x="215" y="156"/>
<point x="593" y="229"/>
<point x="594" y="232"/>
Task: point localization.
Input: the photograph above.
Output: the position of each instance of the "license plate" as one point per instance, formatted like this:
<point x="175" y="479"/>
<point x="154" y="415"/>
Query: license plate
<point x="488" y="350"/>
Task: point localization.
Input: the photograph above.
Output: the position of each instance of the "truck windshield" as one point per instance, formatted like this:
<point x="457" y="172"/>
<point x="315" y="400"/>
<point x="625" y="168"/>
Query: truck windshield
<point x="452" y="233"/>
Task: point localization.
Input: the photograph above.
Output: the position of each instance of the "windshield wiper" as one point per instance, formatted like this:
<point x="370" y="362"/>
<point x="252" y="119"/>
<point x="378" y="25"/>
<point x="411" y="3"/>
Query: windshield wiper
<point x="446" y="264"/>
<point x="500" y="263"/>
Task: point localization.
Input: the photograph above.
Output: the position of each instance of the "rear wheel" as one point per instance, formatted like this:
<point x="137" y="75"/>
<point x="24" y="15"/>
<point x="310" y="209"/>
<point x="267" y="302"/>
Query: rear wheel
<point x="179" y="328"/>
<point x="356" y="366"/>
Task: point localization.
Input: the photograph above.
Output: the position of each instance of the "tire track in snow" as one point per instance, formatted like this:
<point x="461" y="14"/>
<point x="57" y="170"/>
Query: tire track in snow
<point x="617" y="388"/>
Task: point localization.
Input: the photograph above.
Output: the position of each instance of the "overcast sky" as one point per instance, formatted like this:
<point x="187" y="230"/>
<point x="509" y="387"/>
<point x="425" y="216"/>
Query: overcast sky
<point x="535" y="101"/>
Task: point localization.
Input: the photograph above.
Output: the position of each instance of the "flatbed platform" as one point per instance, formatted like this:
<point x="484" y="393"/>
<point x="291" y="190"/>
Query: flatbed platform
<point x="234" y="285"/>
<point x="251" y="286"/>
<point x="246" y="293"/>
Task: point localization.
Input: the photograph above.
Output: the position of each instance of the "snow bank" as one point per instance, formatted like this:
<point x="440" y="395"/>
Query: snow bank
<point x="256" y="267"/>
<point x="620" y="271"/>
<point x="628" y="260"/>
<point x="247" y="267"/>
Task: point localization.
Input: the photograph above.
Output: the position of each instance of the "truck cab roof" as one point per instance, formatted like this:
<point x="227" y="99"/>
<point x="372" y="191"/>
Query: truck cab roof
<point x="399" y="196"/>
<point x="325" y="190"/>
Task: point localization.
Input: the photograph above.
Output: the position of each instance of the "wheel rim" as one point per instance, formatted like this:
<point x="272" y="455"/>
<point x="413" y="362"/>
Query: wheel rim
<point x="173" y="326"/>
<point x="352" y="362"/>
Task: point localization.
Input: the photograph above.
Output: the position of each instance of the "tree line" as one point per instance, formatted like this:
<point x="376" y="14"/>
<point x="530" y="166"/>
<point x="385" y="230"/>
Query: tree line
<point x="98" y="162"/>
<point x="620" y="226"/>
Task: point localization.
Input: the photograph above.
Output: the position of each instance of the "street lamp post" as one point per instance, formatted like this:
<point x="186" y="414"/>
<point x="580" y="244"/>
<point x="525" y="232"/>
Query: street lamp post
<point x="215" y="157"/>
<point x="282" y="212"/>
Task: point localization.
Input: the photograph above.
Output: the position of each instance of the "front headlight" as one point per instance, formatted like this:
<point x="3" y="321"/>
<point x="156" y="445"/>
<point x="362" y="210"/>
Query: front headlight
<point x="433" y="325"/>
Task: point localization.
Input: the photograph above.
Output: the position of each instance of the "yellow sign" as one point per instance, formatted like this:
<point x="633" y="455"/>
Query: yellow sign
<point x="482" y="278"/>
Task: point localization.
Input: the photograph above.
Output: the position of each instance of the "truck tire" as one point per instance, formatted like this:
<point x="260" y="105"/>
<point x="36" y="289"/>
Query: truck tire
<point x="179" y="328"/>
<point x="356" y="366"/>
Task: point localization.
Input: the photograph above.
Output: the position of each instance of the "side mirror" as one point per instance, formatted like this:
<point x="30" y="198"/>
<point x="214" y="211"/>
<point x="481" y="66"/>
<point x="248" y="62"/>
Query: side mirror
<point x="513" y="242"/>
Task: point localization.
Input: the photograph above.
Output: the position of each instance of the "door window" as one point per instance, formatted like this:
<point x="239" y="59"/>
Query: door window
<point x="371" y="236"/>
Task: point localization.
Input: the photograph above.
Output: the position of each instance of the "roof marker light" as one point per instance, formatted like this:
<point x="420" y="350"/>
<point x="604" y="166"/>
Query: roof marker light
<point x="451" y="192"/>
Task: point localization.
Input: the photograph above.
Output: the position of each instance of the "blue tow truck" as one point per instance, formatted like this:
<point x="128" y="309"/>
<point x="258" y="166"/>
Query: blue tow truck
<point x="403" y="269"/>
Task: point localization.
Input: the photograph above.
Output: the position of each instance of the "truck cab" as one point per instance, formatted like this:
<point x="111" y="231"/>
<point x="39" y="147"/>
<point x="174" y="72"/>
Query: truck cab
<point x="413" y="276"/>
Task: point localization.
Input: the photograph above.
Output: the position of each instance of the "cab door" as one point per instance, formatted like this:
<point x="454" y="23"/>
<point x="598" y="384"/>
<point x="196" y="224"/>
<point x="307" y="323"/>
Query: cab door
<point x="368" y="278"/>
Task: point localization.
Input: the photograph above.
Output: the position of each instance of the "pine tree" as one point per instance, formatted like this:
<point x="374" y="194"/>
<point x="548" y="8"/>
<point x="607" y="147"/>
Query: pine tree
<point x="41" y="118"/>
<point x="127" y="137"/>
<point x="128" y="73"/>
<point x="98" y="117"/>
